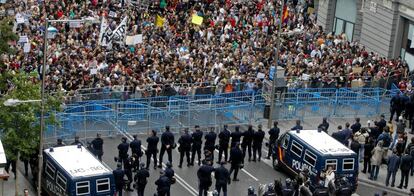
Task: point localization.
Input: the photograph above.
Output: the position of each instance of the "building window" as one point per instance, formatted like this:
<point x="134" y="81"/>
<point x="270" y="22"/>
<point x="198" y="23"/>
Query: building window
<point x="82" y="188"/>
<point x="343" y="26"/>
<point x="102" y="185"/>
<point x="407" y="50"/>
<point x="345" y="18"/>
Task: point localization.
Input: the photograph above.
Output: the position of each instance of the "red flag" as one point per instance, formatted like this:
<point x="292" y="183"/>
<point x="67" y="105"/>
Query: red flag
<point x="285" y="14"/>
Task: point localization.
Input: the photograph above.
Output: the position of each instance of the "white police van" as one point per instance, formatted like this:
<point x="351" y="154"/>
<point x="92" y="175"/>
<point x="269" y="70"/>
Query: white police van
<point x="314" y="150"/>
<point x="73" y="170"/>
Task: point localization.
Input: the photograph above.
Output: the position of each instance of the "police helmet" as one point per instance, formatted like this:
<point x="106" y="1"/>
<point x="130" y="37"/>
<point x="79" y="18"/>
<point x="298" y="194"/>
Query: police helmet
<point x="250" y="190"/>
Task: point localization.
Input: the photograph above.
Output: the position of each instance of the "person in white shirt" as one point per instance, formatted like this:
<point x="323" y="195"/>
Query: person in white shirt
<point x="328" y="175"/>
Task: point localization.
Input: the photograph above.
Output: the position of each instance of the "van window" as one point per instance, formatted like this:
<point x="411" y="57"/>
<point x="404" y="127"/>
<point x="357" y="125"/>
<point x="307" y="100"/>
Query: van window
<point x="82" y="188"/>
<point x="50" y="170"/>
<point x="331" y="162"/>
<point x="310" y="158"/>
<point x="286" y="141"/>
<point x="102" y="185"/>
<point x="61" y="180"/>
<point x="296" y="148"/>
<point x="347" y="164"/>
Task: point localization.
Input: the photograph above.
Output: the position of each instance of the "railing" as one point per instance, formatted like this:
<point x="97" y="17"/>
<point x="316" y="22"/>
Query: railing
<point x="139" y="115"/>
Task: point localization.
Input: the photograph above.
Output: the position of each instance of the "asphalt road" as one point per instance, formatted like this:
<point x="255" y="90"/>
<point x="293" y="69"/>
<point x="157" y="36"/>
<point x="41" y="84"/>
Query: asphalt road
<point x="253" y="174"/>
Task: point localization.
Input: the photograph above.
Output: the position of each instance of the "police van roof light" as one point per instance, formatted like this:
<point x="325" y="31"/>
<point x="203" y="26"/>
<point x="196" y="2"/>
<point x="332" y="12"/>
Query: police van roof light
<point x="51" y="149"/>
<point x="297" y="130"/>
<point x="80" y="146"/>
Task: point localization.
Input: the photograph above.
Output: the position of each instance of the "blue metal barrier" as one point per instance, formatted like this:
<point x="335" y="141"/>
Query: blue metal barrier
<point x="244" y="107"/>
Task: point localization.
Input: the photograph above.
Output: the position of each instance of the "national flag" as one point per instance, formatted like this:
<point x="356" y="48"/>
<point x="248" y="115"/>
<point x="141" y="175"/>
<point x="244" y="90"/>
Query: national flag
<point x="285" y="14"/>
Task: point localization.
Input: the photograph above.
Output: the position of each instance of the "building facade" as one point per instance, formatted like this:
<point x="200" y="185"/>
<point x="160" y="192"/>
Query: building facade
<point x="382" y="26"/>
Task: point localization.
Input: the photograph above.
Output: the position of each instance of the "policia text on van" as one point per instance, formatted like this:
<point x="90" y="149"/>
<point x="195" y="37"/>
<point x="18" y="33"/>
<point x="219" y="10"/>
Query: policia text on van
<point x="316" y="151"/>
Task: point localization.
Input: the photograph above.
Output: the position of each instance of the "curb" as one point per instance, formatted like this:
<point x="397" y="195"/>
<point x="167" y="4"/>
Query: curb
<point x="383" y="187"/>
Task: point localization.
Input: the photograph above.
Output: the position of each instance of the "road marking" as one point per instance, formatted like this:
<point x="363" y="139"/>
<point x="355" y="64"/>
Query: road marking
<point x="243" y="170"/>
<point x="178" y="178"/>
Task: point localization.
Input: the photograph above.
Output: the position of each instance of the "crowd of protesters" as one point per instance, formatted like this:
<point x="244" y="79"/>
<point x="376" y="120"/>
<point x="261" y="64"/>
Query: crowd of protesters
<point x="232" y="50"/>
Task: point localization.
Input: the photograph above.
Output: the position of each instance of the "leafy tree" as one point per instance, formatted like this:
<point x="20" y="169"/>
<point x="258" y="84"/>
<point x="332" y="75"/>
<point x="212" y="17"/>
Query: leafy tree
<point x="20" y="125"/>
<point x="6" y="35"/>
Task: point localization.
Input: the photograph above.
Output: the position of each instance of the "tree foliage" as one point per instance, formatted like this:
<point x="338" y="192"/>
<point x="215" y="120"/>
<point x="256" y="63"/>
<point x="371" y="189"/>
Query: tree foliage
<point x="6" y="35"/>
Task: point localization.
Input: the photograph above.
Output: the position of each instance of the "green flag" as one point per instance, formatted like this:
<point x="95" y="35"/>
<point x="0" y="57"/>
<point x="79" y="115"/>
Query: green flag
<point x="163" y="4"/>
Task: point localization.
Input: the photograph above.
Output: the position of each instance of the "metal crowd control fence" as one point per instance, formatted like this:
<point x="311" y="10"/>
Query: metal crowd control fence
<point x="139" y="115"/>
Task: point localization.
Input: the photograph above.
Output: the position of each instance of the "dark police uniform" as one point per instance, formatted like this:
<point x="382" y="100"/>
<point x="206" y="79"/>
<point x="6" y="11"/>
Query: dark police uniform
<point x="128" y="164"/>
<point x="167" y="139"/>
<point x="141" y="180"/>
<point x="123" y="150"/>
<point x="210" y="143"/>
<point x="163" y="186"/>
<point x="152" y="150"/>
<point x="185" y="148"/>
<point x="235" y="137"/>
<point x="247" y="142"/>
<point x="204" y="177"/>
<point x="119" y="180"/>
<point x="196" y="148"/>
<point x="257" y="144"/>
<point x="224" y="139"/>
<point x="236" y="158"/>
<point x="222" y="176"/>
<point x="135" y="146"/>
<point x="273" y="136"/>
<point x="97" y="146"/>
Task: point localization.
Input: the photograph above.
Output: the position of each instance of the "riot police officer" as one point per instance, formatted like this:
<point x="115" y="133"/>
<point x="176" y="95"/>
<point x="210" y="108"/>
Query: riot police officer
<point x="236" y="158"/>
<point x="152" y="148"/>
<point x="235" y="136"/>
<point x="128" y="171"/>
<point x="169" y="172"/>
<point x="257" y="143"/>
<point x="123" y="148"/>
<point x="196" y="147"/>
<point x="59" y="143"/>
<point x="222" y="176"/>
<point x="273" y="136"/>
<point x="185" y="147"/>
<point x="210" y="142"/>
<point x="141" y="179"/>
<point x="119" y="179"/>
<point x="204" y="177"/>
<point x="77" y="142"/>
<point x="247" y="142"/>
<point x="224" y="139"/>
<point x="167" y="144"/>
<point x="97" y="146"/>
<point x="135" y="146"/>
<point x="163" y="185"/>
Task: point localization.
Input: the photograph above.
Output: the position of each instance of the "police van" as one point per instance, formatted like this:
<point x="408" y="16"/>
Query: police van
<point x="73" y="170"/>
<point x="314" y="150"/>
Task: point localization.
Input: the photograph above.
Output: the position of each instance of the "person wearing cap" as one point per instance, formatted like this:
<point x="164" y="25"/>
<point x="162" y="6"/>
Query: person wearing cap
<point x="123" y="148"/>
<point x="163" y="185"/>
<point x="119" y="179"/>
<point x="222" y="176"/>
<point x="167" y="143"/>
<point x="77" y="142"/>
<point x="196" y="137"/>
<point x="258" y="137"/>
<point x="185" y="147"/>
<point x="152" y="149"/>
<point x="141" y="179"/>
<point x="204" y="177"/>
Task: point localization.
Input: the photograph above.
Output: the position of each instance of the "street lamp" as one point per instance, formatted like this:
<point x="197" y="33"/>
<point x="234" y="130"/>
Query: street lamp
<point x="15" y="102"/>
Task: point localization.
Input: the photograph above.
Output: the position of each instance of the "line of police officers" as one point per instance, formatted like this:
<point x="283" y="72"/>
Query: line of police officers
<point x="252" y="141"/>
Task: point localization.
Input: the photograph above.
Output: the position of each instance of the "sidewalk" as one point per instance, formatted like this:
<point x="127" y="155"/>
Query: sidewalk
<point x="9" y="188"/>
<point x="363" y="178"/>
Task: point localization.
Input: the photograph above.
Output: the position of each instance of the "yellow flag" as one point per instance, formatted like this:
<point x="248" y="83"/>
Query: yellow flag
<point x="198" y="20"/>
<point x="159" y="21"/>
